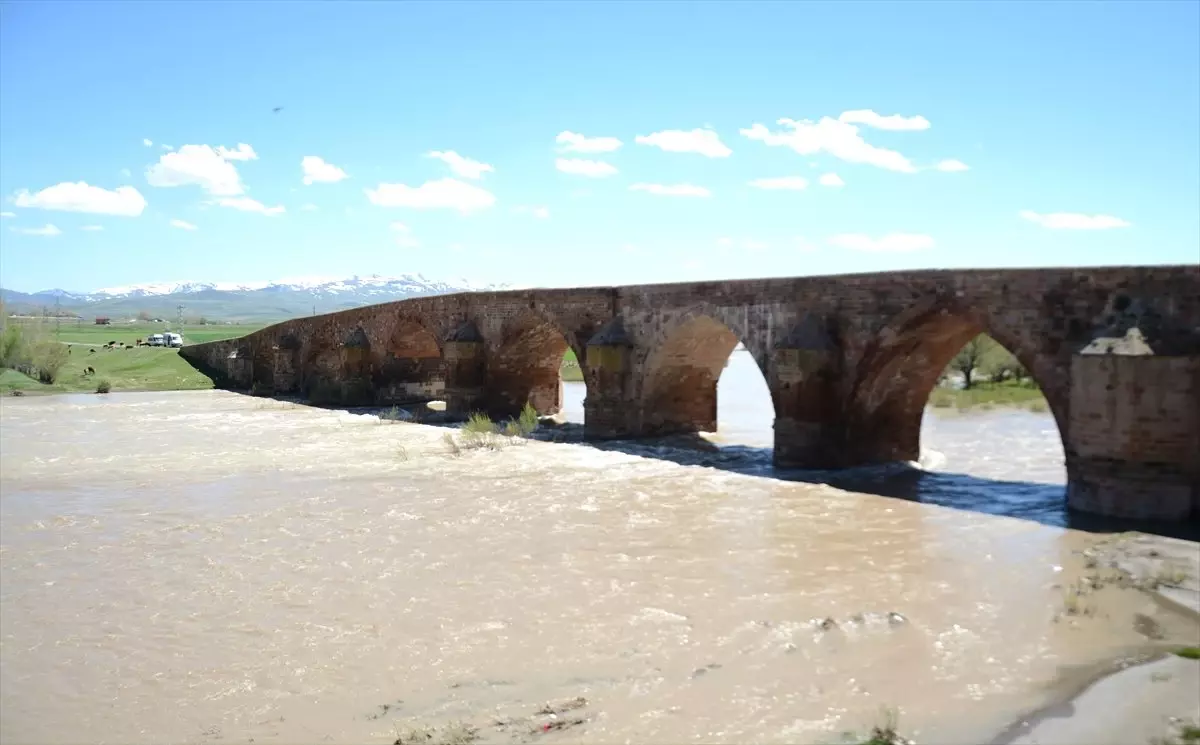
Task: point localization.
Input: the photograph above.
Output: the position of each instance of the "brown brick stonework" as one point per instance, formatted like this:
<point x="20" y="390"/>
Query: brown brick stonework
<point x="850" y="361"/>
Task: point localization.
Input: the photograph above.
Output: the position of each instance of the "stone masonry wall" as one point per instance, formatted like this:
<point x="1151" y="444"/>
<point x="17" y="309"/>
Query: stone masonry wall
<point x="850" y="360"/>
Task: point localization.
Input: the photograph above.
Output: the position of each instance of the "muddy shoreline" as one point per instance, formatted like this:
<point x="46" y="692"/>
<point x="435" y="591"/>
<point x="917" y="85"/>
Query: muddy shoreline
<point x="1109" y="701"/>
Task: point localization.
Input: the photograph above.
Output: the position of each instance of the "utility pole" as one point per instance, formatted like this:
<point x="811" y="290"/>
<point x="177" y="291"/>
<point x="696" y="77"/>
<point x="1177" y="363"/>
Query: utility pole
<point x="179" y="317"/>
<point x="57" y="316"/>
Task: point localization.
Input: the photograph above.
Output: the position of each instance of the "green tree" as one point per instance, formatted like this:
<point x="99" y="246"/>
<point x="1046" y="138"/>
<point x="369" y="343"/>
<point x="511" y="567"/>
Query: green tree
<point x="969" y="359"/>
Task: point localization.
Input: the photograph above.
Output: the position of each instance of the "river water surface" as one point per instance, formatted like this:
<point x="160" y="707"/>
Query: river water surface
<point x="194" y="567"/>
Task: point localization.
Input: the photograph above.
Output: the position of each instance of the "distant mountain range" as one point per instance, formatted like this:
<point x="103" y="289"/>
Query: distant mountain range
<point x="261" y="301"/>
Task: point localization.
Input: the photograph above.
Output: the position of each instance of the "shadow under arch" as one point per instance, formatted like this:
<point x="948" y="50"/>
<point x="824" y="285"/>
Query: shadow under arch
<point x="900" y="369"/>
<point x="526" y="366"/>
<point x="320" y="366"/>
<point x="679" y="388"/>
<point x="408" y="365"/>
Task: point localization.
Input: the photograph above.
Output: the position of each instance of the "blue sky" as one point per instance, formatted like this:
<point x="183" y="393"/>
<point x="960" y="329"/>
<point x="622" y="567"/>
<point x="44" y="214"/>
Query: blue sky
<point x="1077" y="124"/>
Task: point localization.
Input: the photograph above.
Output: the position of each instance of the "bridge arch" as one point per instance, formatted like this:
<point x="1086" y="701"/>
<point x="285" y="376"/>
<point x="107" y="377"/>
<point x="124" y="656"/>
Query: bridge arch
<point x="525" y="364"/>
<point x="904" y="362"/>
<point x="408" y="364"/>
<point x="678" y="391"/>
<point x="320" y="368"/>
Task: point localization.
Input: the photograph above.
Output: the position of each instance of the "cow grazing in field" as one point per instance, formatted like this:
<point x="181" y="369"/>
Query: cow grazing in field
<point x="92" y="350"/>
<point x="89" y="370"/>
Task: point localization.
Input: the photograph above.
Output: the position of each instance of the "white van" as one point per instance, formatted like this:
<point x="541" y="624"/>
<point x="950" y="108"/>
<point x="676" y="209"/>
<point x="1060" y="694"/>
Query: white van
<point x="173" y="340"/>
<point x="155" y="340"/>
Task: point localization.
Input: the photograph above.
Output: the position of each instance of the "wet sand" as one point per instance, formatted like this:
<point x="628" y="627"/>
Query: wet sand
<point x="1139" y="704"/>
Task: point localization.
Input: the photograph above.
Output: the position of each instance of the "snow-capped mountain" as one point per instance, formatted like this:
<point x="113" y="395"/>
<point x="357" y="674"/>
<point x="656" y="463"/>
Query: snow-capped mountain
<point x="406" y="285"/>
<point x="275" y="300"/>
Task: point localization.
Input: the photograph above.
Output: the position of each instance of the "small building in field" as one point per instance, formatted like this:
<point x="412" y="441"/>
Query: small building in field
<point x="103" y="321"/>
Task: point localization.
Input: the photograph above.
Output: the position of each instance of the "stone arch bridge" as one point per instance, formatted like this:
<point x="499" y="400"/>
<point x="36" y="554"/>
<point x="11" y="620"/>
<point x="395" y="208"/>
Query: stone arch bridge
<point x="850" y="362"/>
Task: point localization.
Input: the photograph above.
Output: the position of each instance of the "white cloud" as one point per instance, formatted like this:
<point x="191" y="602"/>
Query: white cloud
<point x="803" y="244"/>
<point x="893" y="122"/>
<point x="791" y="183"/>
<point x="582" y="167"/>
<point x="407" y="241"/>
<point x="576" y="143"/>
<point x="673" y="190"/>
<point x="310" y="207"/>
<point x="166" y="147"/>
<point x="182" y="225"/>
<point x="704" y="142"/>
<point x="246" y="204"/>
<point x="8" y="214"/>
<point x="839" y="139"/>
<point x="197" y="165"/>
<point x="147" y="142"/>
<point x="952" y="165"/>
<point x="831" y="179"/>
<point x="317" y="170"/>
<point x="49" y="231"/>
<point x="540" y="213"/>
<point x="462" y="166"/>
<point x="446" y="193"/>
<point x="1074" y="221"/>
<point x="400" y="227"/>
<point x="241" y="152"/>
<point x="890" y="243"/>
<point x="92" y="228"/>
<point x="124" y="201"/>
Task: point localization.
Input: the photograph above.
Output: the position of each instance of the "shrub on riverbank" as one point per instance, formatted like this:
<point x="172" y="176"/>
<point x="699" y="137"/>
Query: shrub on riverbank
<point x="103" y="386"/>
<point x="27" y="349"/>
<point x="886" y="732"/>
<point x="480" y="432"/>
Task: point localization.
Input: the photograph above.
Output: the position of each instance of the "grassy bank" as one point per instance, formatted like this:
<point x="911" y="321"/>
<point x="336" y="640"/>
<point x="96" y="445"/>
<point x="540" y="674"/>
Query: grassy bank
<point x="571" y="371"/>
<point x="987" y="395"/>
<point x="141" y="369"/>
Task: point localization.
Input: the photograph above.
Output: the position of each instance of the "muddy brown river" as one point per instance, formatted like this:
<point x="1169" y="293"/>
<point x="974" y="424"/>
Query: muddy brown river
<point x="195" y="567"/>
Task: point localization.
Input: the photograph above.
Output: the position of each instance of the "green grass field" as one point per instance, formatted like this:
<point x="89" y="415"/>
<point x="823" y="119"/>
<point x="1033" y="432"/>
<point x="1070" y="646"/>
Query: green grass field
<point x="985" y="395"/>
<point x="72" y="332"/>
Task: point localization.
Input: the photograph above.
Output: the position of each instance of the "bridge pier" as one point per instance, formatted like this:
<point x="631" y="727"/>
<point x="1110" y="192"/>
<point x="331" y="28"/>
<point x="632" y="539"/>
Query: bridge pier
<point x="285" y="377"/>
<point x="466" y="362"/>
<point x="239" y="368"/>
<point x="801" y="375"/>
<point x="609" y="410"/>
<point x="1133" y="437"/>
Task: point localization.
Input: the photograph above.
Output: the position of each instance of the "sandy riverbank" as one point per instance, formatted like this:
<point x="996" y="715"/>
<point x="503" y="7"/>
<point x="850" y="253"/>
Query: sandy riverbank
<point x="1154" y="701"/>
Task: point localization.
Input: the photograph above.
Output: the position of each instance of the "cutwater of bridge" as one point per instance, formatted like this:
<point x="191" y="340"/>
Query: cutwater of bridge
<point x="850" y="362"/>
